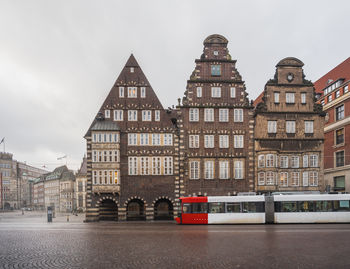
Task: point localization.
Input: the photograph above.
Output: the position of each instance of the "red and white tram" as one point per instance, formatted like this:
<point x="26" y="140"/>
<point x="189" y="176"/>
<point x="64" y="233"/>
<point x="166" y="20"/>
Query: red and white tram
<point x="301" y="208"/>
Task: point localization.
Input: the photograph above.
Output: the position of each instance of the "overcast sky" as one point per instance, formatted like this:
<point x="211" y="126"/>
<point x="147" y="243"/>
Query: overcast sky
<point x="59" y="59"/>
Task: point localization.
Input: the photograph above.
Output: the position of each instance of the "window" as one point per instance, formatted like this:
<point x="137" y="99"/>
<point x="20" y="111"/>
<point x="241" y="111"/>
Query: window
<point x="238" y="141"/>
<point x="346" y="88"/>
<point x="155" y="139"/>
<point x="132" y="69"/>
<point x="121" y="92"/>
<point x="295" y="178"/>
<point x="233" y="92"/>
<point x="144" y="139"/>
<point x="339" y="136"/>
<point x="209" y="141"/>
<point x="224" y="169"/>
<point x="107" y="114"/>
<point x="339" y="158"/>
<point x="337" y="94"/>
<point x="215" y="52"/>
<point x="284" y="161"/>
<point x="118" y="115"/>
<point x="305" y="161"/>
<point x="294" y="162"/>
<point x="339" y="183"/>
<point x="305" y="179"/>
<point x="261" y="178"/>
<point x="309" y="127"/>
<point x="270" y="178"/>
<point x="168" y="139"/>
<point x="313" y="179"/>
<point x="209" y="169"/>
<point x="168" y="165"/>
<point x="216" y="70"/>
<point x="144" y="166"/>
<point x="270" y="160"/>
<point x="132" y="92"/>
<point x="223" y="114"/>
<point x="194" y="114"/>
<point x="216" y="92"/>
<point x="194" y="141"/>
<point x="238" y="169"/>
<point x="238" y="115"/>
<point x="143" y="92"/>
<point x="271" y="126"/>
<point x="276" y="96"/>
<point x="284" y="179"/>
<point x="132" y="115"/>
<point x="199" y="92"/>
<point x="313" y="160"/>
<point x="132" y="139"/>
<point x="290" y="126"/>
<point x="303" y="98"/>
<point x="209" y="114"/>
<point x="261" y="161"/>
<point x="330" y="98"/>
<point x="290" y="98"/>
<point x="339" y="112"/>
<point x="133" y="166"/>
<point x="146" y="115"/>
<point x="223" y="141"/>
<point x="194" y="170"/>
<point x="157" y="115"/>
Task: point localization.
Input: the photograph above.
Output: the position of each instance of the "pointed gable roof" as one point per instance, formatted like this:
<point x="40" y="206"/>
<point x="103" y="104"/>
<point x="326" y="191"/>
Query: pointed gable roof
<point x="130" y="76"/>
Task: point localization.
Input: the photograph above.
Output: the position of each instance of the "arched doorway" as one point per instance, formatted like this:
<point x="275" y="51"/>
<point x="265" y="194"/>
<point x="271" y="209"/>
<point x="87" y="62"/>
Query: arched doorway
<point x="136" y="210"/>
<point x="163" y="210"/>
<point x="7" y="206"/>
<point x="108" y="210"/>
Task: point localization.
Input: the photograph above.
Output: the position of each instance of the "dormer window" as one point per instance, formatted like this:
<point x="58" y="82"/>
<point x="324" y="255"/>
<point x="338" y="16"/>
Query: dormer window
<point x="132" y="69"/>
<point x="216" y="70"/>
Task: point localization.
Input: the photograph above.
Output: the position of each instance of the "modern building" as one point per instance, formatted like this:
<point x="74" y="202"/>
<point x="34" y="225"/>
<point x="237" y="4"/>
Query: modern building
<point x="335" y="99"/>
<point x="80" y="187"/>
<point x="288" y="133"/>
<point x="131" y="150"/>
<point x="216" y="125"/>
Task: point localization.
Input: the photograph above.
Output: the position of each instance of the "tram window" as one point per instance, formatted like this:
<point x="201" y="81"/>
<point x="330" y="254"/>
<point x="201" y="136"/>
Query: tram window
<point x="233" y="207"/>
<point x="186" y="208"/>
<point x="289" y="207"/>
<point x="216" y="207"/>
<point x="323" y="206"/>
<point x="252" y="207"/>
<point x="341" y="206"/>
<point x="199" y="208"/>
<point x="306" y="206"/>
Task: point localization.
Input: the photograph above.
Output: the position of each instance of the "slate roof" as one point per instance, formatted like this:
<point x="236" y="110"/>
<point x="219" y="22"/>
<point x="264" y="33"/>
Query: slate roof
<point x="102" y="125"/>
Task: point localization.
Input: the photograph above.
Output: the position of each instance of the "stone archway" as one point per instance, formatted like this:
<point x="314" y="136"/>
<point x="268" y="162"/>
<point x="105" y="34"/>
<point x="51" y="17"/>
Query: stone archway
<point x="108" y="210"/>
<point x="163" y="209"/>
<point x="135" y="210"/>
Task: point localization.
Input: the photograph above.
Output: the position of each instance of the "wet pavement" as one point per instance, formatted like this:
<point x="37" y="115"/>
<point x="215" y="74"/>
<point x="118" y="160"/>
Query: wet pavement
<point x="29" y="242"/>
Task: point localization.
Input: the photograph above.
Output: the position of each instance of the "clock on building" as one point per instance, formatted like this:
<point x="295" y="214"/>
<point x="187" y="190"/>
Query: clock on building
<point x="290" y="77"/>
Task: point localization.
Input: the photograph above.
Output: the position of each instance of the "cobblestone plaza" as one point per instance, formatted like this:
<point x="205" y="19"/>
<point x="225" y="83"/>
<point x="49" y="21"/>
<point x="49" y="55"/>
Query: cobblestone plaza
<point x="29" y="242"/>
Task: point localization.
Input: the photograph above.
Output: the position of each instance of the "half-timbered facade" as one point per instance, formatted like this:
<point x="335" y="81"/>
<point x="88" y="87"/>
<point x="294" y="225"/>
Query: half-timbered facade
<point x="289" y="133"/>
<point x="216" y="127"/>
<point x="131" y="153"/>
